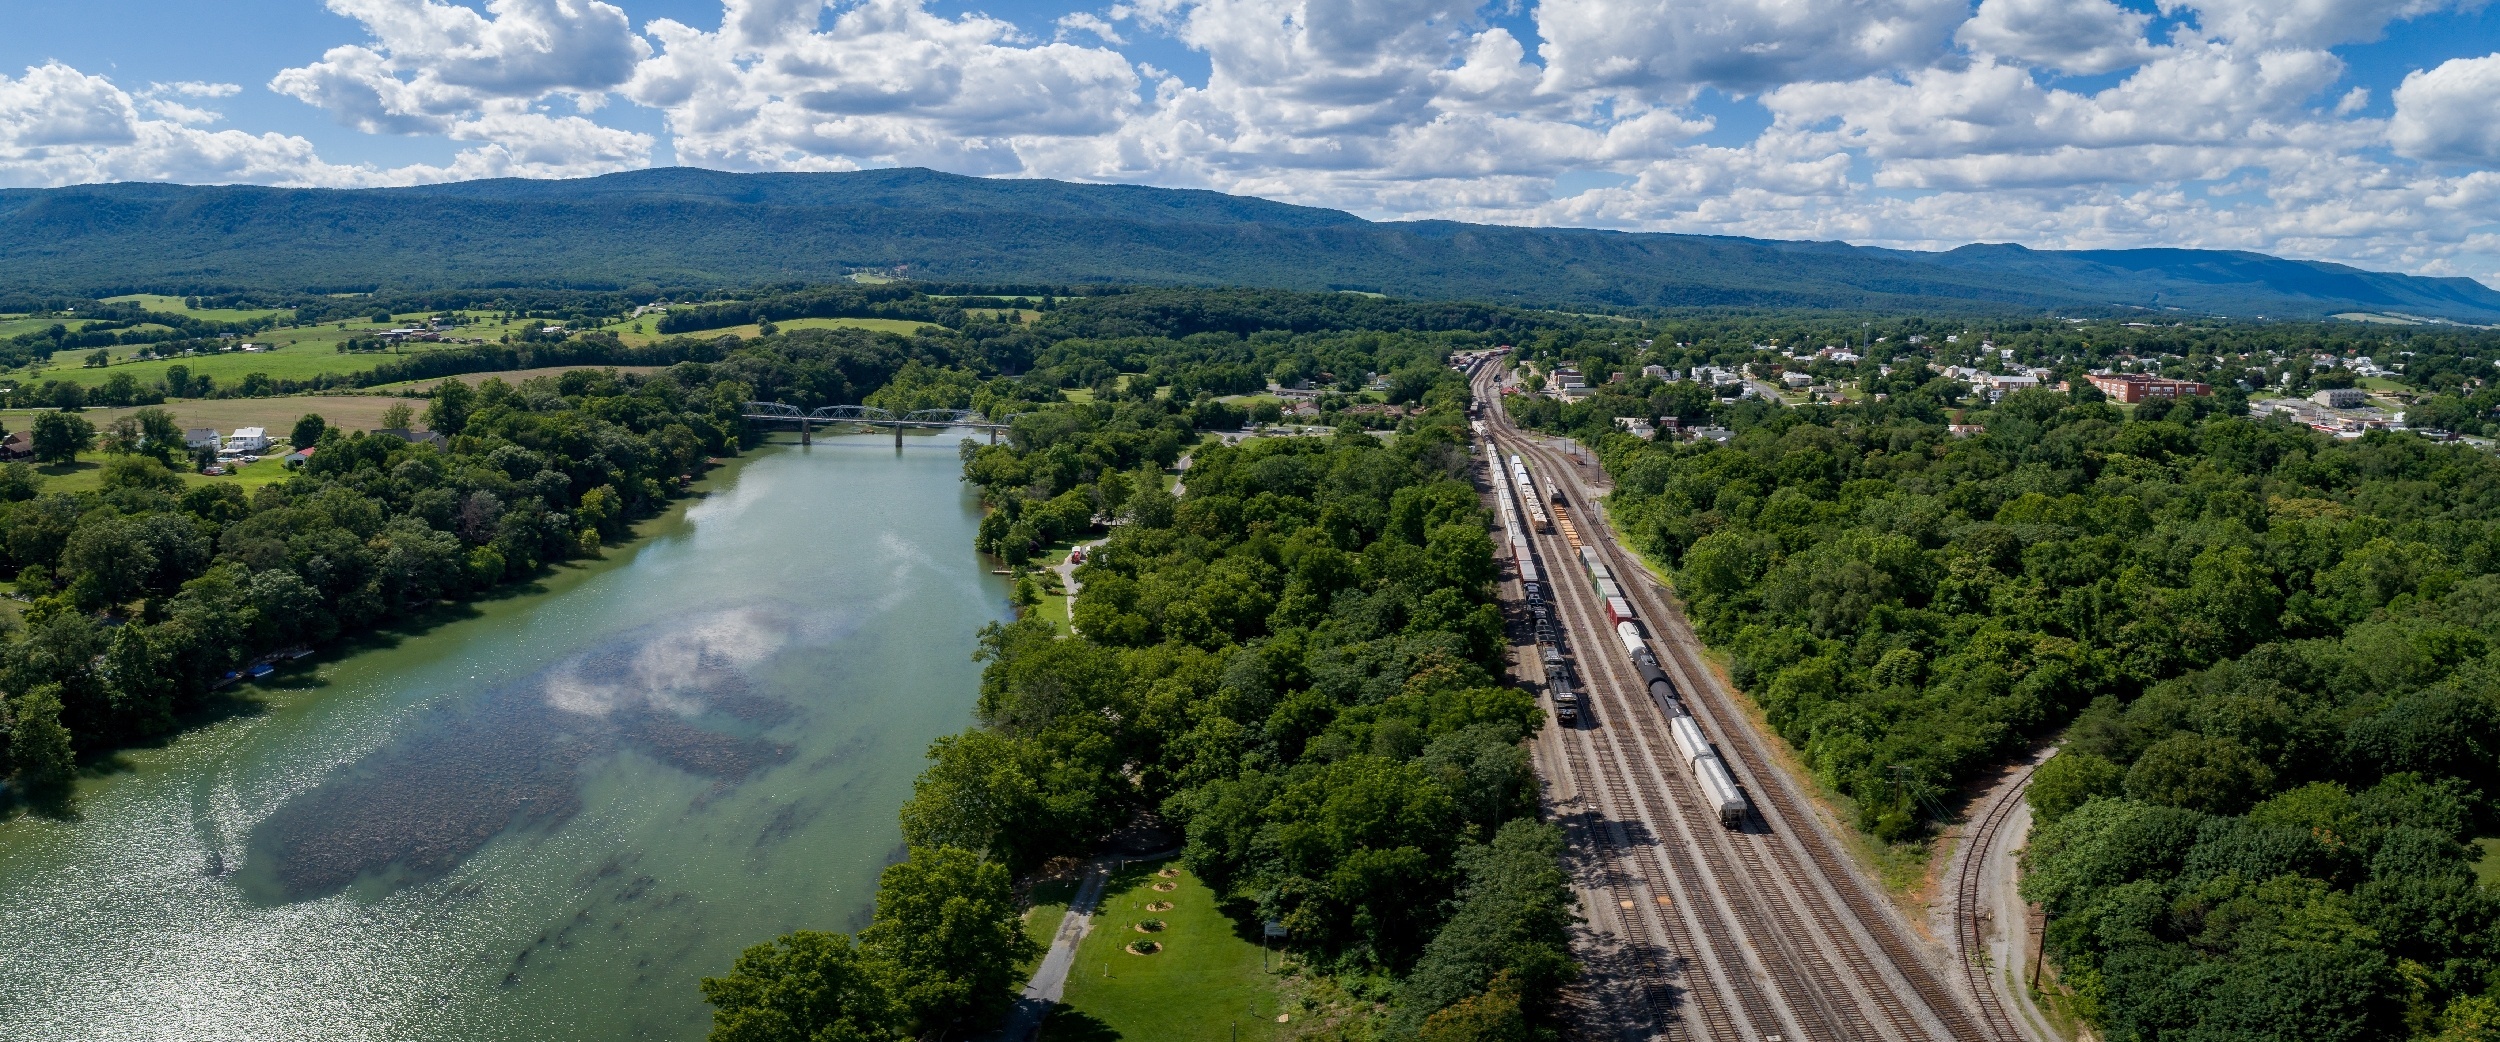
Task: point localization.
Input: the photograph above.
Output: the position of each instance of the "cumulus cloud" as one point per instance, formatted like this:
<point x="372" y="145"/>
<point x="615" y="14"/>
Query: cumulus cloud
<point x="2307" y="23"/>
<point x="2084" y="37"/>
<point x="887" y="82"/>
<point x="60" y="126"/>
<point x="444" y="69"/>
<point x="2447" y="113"/>
<point x="1665" y="50"/>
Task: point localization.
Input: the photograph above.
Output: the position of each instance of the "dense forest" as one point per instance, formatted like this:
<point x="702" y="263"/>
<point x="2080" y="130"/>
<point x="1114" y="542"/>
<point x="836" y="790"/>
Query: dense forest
<point x="2267" y="651"/>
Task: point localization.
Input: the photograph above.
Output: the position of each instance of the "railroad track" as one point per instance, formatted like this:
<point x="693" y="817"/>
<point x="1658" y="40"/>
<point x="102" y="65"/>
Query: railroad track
<point x="1597" y="828"/>
<point x="1782" y="885"/>
<point x="1777" y="803"/>
<point x="1970" y="930"/>
<point x="1743" y="921"/>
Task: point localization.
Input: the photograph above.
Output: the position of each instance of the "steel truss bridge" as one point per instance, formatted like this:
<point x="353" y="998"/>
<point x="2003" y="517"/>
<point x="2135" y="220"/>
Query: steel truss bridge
<point x="868" y="416"/>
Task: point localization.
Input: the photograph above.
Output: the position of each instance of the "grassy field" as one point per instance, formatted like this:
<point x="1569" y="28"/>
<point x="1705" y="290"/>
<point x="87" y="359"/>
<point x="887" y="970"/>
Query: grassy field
<point x="175" y="306"/>
<point x="87" y="475"/>
<point x="296" y="353"/>
<point x="510" y="376"/>
<point x="355" y="412"/>
<point x="1204" y="982"/>
<point x="882" y="325"/>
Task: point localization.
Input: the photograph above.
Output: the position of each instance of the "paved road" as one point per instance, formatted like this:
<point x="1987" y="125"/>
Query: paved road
<point x="1050" y="979"/>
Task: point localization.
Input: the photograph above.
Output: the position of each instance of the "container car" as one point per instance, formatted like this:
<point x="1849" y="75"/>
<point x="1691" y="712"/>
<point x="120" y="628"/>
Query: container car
<point x="1618" y="610"/>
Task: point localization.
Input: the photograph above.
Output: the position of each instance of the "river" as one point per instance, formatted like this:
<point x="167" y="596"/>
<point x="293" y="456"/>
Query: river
<point x="546" y="819"/>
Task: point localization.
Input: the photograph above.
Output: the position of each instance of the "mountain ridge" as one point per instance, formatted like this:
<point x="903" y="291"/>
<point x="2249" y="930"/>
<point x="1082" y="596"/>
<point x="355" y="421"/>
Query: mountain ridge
<point x="682" y="227"/>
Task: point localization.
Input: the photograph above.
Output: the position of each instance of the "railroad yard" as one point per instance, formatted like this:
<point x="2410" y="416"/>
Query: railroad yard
<point x="1711" y="915"/>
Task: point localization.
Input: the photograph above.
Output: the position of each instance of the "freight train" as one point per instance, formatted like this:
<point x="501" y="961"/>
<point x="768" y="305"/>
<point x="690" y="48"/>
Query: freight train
<point x="1523" y="554"/>
<point x="1527" y="495"/>
<point x="1718" y="787"/>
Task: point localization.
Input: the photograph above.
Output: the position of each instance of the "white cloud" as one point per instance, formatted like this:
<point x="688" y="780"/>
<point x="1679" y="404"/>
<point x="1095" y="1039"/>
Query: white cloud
<point x="886" y="83"/>
<point x="431" y="66"/>
<point x="61" y="126"/>
<point x="2084" y="37"/>
<point x="2307" y="23"/>
<point x="1662" y="51"/>
<point x="2448" y="113"/>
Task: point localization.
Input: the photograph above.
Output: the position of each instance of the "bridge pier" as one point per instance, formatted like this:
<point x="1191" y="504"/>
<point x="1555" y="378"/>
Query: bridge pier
<point x="898" y="436"/>
<point x="804" y="435"/>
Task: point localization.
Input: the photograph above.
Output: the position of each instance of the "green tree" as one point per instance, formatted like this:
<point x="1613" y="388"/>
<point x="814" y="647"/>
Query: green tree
<point x="308" y="428"/>
<point x="449" y="412"/>
<point x="2070" y="778"/>
<point x="59" y="436"/>
<point x="177" y="381"/>
<point x="39" y="747"/>
<point x="948" y="925"/>
<point x="398" y="417"/>
<point x="160" y="436"/>
<point x="805" y="986"/>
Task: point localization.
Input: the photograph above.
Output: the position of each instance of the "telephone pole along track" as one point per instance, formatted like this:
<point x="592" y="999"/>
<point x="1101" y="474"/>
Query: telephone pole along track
<point x="1795" y="943"/>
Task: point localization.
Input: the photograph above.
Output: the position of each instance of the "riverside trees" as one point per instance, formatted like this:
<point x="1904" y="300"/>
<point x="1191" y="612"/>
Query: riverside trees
<point x="145" y="592"/>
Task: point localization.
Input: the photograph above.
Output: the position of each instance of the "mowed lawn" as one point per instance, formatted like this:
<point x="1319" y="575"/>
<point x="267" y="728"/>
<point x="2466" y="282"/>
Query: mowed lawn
<point x="87" y="475"/>
<point x="1204" y="982"/>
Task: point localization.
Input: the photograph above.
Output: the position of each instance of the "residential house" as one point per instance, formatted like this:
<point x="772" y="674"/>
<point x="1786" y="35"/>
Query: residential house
<point x="203" y="438"/>
<point x="19" y="445"/>
<point x="248" y="439"/>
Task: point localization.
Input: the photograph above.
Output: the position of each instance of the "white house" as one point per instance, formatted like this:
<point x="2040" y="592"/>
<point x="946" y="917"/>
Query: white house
<point x="203" y="438"/>
<point x="248" y="439"/>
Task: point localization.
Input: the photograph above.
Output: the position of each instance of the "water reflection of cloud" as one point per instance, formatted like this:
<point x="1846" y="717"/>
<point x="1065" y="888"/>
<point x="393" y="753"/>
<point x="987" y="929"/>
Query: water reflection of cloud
<point x="680" y="693"/>
<point x="680" y="669"/>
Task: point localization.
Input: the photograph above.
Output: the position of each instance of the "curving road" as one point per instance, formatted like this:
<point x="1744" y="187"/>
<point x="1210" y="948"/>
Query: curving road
<point x="1698" y="931"/>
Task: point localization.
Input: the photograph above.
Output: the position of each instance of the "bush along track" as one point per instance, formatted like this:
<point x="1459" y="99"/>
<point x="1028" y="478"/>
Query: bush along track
<point x="2270" y="652"/>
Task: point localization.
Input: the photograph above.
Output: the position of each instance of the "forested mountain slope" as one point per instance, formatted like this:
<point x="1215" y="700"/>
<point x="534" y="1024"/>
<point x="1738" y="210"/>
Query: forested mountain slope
<point x="678" y="228"/>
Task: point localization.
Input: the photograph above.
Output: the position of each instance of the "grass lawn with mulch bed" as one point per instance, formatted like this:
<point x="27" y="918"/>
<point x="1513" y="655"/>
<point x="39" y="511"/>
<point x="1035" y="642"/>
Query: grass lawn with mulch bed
<point x="1205" y="980"/>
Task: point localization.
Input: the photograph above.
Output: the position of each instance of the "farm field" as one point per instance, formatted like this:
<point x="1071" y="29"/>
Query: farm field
<point x="299" y="361"/>
<point x="510" y="376"/>
<point x="356" y="412"/>
<point x="1203" y="983"/>
<point x="881" y="325"/>
<point x="298" y="352"/>
<point x="175" y="306"/>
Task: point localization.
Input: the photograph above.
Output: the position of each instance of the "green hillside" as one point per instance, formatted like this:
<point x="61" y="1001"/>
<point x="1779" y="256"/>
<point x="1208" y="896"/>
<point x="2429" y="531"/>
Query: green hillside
<point x="661" y="230"/>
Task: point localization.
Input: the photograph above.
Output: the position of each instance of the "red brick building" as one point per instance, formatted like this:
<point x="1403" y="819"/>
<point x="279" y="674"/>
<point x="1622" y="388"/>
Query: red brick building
<point x="2136" y="387"/>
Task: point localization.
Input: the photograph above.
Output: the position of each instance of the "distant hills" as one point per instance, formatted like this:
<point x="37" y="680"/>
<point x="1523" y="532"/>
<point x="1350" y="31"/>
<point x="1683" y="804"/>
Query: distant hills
<point x="680" y="228"/>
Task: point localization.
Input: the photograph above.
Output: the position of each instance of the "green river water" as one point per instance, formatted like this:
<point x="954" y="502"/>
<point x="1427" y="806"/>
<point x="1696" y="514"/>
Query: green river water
<point x="547" y="819"/>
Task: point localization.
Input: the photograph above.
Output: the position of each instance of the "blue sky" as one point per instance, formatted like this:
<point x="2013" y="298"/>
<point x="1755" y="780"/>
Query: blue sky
<point x="2352" y="130"/>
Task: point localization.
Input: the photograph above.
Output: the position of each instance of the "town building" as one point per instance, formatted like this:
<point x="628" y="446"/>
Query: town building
<point x="2138" y="387"/>
<point x="2342" y="397"/>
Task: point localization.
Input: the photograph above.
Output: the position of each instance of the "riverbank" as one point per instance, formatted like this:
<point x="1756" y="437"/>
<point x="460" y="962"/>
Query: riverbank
<point x="711" y="729"/>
